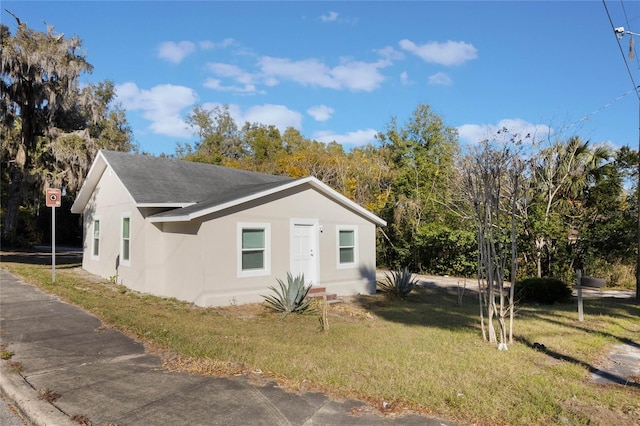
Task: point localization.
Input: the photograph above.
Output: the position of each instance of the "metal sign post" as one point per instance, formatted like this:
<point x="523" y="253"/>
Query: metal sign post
<point x="579" y="287"/>
<point x="53" y="201"/>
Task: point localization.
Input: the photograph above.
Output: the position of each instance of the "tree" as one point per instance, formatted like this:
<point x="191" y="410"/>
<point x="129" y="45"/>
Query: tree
<point x="38" y="69"/>
<point x="219" y="141"/>
<point x="51" y="128"/>
<point x="67" y="152"/>
<point x="607" y="239"/>
<point x="264" y="146"/>
<point x="560" y="174"/>
<point x="492" y="193"/>
<point x="421" y="154"/>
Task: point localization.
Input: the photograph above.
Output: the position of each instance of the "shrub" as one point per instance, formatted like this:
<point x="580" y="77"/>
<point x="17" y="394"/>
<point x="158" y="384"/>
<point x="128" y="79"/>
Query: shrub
<point x="545" y="291"/>
<point x="397" y="284"/>
<point x="291" y="297"/>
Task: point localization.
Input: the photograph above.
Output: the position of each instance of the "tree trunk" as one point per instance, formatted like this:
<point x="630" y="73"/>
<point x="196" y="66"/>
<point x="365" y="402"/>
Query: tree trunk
<point x="14" y="201"/>
<point x="18" y="176"/>
<point x="539" y="246"/>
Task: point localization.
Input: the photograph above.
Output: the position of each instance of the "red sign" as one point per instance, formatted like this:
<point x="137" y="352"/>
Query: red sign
<point x="53" y="197"/>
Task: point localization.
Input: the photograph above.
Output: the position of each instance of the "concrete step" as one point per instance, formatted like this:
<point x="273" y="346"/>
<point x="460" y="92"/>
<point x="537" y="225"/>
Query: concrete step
<point x="321" y="293"/>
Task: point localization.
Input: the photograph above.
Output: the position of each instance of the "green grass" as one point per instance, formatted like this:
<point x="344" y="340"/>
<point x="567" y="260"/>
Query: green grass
<point x="424" y="354"/>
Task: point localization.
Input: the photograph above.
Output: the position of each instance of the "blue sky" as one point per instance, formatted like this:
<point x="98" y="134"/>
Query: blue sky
<point x="341" y="70"/>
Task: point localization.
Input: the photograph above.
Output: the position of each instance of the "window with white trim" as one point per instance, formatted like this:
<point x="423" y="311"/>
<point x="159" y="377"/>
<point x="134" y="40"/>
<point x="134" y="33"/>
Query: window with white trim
<point x="125" y="247"/>
<point x="347" y="246"/>
<point x="95" y="245"/>
<point x="254" y="257"/>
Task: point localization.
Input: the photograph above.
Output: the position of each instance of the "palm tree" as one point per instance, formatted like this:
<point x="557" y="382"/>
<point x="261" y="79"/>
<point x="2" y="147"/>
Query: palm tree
<point x="561" y="173"/>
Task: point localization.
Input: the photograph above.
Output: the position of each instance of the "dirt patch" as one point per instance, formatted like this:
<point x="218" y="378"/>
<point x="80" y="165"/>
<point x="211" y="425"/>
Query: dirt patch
<point x="599" y="415"/>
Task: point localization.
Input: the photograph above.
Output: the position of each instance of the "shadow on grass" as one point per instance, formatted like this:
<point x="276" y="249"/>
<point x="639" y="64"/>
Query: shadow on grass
<point x="606" y="375"/>
<point x="426" y="306"/>
<point x="627" y="309"/>
<point x="42" y="256"/>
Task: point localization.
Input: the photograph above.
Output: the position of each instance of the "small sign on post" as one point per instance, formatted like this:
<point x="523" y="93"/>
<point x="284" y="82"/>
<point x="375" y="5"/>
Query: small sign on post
<point x="53" y="197"/>
<point x="53" y="200"/>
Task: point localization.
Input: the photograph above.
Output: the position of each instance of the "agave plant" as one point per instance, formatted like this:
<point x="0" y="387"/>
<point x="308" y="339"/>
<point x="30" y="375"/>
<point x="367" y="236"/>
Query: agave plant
<point x="291" y="297"/>
<point x="397" y="284"/>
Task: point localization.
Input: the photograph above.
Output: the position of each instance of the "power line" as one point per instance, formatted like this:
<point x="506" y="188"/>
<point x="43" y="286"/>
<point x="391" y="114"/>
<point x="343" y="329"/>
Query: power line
<point x="607" y="105"/>
<point x="624" y="58"/>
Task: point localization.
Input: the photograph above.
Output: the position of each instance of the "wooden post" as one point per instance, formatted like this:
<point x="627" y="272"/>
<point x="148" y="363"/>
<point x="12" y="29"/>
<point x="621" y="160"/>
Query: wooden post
<point x="579" y="287"/>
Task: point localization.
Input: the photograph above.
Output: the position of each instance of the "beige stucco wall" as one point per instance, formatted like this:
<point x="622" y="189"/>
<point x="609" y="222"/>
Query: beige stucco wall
<point x="197" y="261"/>
<point x="109" y="203"/>
<point x="201" y="258"/>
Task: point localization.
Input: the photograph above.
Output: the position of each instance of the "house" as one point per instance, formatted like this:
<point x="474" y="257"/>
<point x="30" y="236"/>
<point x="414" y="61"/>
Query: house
<point x="218" y="236"/>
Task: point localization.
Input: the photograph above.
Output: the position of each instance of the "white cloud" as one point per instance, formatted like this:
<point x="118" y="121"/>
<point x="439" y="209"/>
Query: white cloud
<point x="231" y="71"/>
<point x="474" y="133"/>
<point x="449" y="53"/>
<point x="206" y="44"/>
<point x="355" y="138"/>
<point x="352" y="75"/>
<point x="246" y="79"/>
<point x="441" y="79"/>
<point x="390" y="53"/>
<point x="162" y="105"/>
<point x="307" y="72"/>
<point x="268" y="114"/>
<point x="216" y="84"/>
<point x="329" y="17"/>
<point x="404" y="79"/>
<point x="335" y="17"/>
<point x="320" y="112"/>
<point x="175" y="52"/>
<point x="278" y="115"/>
<point x="356" y="75"/>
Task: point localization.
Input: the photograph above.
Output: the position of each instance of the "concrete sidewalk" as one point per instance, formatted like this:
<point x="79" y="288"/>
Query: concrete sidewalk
<point x="102" y="377"/>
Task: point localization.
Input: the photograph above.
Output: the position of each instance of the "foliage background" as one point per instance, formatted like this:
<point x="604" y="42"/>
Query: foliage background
<point x="579" y="207"/>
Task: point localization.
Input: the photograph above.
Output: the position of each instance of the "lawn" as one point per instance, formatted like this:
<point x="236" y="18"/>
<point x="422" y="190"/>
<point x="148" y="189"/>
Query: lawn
<point x="425" y="354"/>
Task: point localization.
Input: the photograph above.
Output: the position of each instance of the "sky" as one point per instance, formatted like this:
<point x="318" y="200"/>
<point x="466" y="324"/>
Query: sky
<point x="341" y="71"/>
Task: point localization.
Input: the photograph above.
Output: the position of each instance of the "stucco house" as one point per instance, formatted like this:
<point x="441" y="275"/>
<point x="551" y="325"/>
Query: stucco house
<point x="217" y="236"/>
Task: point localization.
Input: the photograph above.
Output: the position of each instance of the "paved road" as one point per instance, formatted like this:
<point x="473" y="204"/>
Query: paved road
<point x="9" y="416"/>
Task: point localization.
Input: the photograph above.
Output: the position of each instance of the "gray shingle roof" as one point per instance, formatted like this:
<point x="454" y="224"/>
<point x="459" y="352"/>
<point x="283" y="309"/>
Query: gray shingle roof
<point x="221" y="198"/>
<point x="159" y="180"/>
<point x="191" y="190"/>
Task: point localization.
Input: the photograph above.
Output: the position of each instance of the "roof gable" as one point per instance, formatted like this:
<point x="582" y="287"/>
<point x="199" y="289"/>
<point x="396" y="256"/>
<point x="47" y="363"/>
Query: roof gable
<point x="259" y="191"/>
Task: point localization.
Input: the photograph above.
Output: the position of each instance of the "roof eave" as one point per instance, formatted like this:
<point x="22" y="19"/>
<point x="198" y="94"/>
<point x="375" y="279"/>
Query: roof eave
<point x="93" y="176"/>
<point x="165" y="205"/>
<point x="330" y="192"/>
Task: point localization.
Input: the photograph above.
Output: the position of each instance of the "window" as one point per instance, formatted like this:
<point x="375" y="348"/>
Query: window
<point x="95" y="252"/>
<point x="125" y="249"/>
<point x="254" y="255"/>
<point x="347" y="253"/>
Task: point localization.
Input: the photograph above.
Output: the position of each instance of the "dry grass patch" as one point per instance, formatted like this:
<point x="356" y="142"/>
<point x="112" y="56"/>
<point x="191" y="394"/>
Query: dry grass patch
<point x="48" y="395"/>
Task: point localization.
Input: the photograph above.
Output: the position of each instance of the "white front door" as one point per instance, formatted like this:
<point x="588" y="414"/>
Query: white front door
<point x="304" y="251"/>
